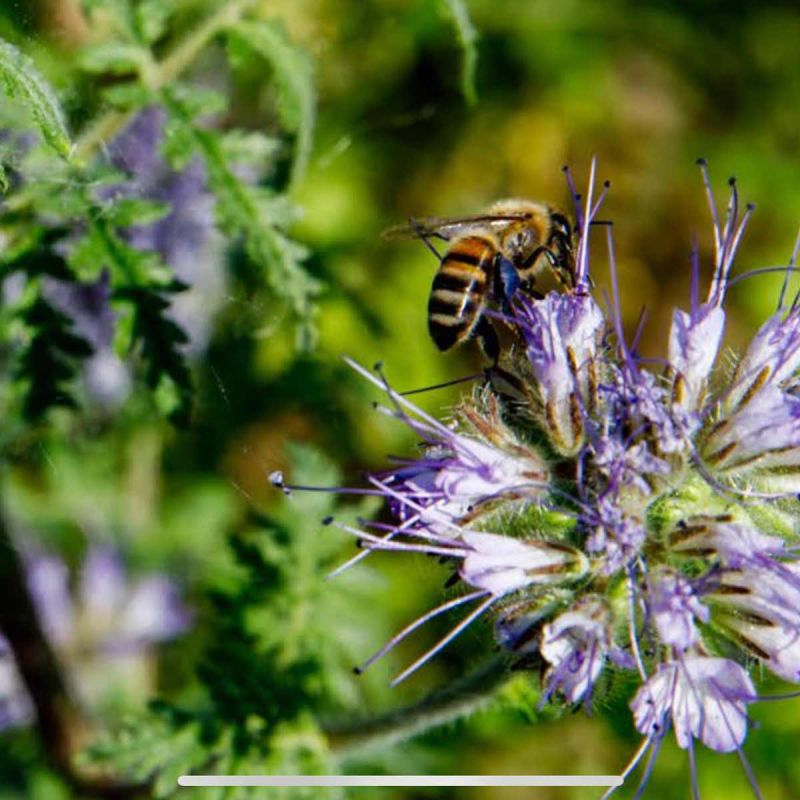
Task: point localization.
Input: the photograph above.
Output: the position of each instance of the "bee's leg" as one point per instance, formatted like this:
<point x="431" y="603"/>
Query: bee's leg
<point x="528" y="269"/>
<point x="561" y="241"/>
<point x="487" y="338"/>
<point x="424" y="237"/>
<point x="562" y="262"/>
<point x="427" y="242"/>
<point x="561" y="224"/>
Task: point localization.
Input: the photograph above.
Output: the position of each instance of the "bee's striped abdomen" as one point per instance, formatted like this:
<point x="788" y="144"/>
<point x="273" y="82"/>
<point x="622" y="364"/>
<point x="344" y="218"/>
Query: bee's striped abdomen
<point x="459" y="290"/>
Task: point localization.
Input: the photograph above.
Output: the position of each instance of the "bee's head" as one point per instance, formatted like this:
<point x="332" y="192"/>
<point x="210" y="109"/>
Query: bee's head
<point x="520" y="237"/>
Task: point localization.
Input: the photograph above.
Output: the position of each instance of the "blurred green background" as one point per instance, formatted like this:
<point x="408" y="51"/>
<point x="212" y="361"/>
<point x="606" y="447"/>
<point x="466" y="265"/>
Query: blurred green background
<point x="646" y="87"/>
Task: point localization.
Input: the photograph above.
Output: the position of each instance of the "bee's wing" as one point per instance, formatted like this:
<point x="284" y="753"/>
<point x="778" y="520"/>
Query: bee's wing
<point x="448" y="227"/>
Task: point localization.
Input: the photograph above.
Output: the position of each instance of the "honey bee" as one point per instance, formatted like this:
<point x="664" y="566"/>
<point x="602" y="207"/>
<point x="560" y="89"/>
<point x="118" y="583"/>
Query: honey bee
<point x="488" y="258"/>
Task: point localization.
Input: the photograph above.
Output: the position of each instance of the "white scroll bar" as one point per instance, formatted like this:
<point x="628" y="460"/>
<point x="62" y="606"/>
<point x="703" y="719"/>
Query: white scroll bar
<point x="400" y="780"/>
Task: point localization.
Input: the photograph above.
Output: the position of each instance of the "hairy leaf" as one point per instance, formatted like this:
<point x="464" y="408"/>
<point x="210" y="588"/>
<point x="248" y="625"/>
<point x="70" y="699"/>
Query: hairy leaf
<point x="467" y="39"/>
<point x="161" y="340"/>
<point x="151" y="18"/>
<point x="293" y="73"/>
<point x="249" y="147"/>
<point x="49" y="361"/>
<point x="117" y="58"/>
<point x="102" y="247"/>
<point x="22" y="81"/>
<point x="248" y="211"/>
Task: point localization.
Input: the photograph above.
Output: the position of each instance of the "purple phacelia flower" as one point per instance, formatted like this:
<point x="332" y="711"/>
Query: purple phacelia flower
<point x="695" y="337"/>
<point x="772" y="359"/>
<point x="501" y="565"/>
<point x="576" y="644"/>
<point x="185" y="238"/>
<point x="615" y="534"/>
<point x="704" y="698"/>
<point x="763" y="433"/>
<point x="694" y="342"/>
<point x="613" y="515"/>
<point x="563" y="334"/>
<point x="674" y="606"/>
<point x="463" y="470"/>
<point x="106" y="622"/>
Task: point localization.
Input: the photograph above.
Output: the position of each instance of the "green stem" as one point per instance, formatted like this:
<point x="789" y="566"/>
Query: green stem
<point x="163" y="74"/>
<point x="461" y="698"/>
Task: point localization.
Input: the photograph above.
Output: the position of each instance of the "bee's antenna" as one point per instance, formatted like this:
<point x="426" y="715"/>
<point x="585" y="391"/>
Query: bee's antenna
<point x="444" y="385"/>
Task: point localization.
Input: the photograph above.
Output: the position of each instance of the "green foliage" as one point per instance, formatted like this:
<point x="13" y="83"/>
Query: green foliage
<point x="256" y="214"/>
<point x="274" y="658"/>
<point x="73" y="220"/>
<point x="103" y="247"/>
<point x="22" y="81"/>
<point x="50" y="360"/>
<point x="114" y="58"/>
<point x="294" y="78"/>
<point x="160" y="340"/>
<point x="193" y="745"/>
<point x="151" y="18"/>
<point x="391" y="140"/>
<point x="467" y="40"/>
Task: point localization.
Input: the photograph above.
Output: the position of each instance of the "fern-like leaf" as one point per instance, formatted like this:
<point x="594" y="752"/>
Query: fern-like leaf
<point x="160" y="341"/>
<point x="293" y="73"/>
<point x="248" y="211"/>
<point x="50" y="360"/>
<point x="22" y="81"/>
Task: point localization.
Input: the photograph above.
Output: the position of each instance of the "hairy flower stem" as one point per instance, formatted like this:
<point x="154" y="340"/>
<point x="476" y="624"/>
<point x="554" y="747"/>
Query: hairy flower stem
<point x="463" y="697"/>
<point x="162" y="74"/>
<point x="61" y="727"/>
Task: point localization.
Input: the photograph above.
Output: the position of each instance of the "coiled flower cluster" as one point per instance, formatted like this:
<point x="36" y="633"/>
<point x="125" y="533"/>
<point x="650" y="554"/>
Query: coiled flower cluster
<point x="610" y="515"/>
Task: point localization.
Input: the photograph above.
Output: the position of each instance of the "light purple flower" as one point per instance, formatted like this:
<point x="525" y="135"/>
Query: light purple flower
<point x="458" y="476"/>
<point x="460" y="472"/>
<point x="644" y="403"/>
<point x="494" y="566"/>
<point x="674" y="606"/>
<point x="772" y="358"/>
<point x="763" y="433"/>
<point x="761" y="605"/>
<point x="704" y="698"/>
<point x="614" y="533"/>
<point x="754" y="592"/>
<point x="48" y="581"/>
<point x="575" y="644"/>
<point x="563" y="335"/>
<point x="108" y="616"/>
<point x="695" y="337"/>
<point x="625" y="464"/>
<point x="737" y="543"/>
<point x="124" y="615"/>
<point x="694" y="342"/>
<point x="616" y="515"/>
<point x="501" y="564"/>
